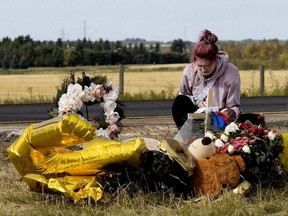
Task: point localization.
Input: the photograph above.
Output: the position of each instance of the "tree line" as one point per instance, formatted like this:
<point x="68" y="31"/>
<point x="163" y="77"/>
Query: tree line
<point x="24" y="52"/>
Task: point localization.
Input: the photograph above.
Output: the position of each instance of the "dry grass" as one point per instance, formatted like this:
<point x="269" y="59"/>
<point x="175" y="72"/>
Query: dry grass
<point x="41" y="84"/>
<point x="15" y="199"/>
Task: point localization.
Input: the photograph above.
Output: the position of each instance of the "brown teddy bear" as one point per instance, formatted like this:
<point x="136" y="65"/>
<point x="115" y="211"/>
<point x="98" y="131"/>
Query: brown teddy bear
<point x="214" y="171"/>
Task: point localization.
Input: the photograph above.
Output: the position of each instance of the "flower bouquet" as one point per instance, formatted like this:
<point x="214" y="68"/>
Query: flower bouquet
<point x="258" y="145"/>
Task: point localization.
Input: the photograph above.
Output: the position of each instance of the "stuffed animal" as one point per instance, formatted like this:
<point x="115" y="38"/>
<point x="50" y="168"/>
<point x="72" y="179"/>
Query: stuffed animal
<point x="213" y="171"/>
<point x="216" y="172"/>
<point x="202" y="148"/>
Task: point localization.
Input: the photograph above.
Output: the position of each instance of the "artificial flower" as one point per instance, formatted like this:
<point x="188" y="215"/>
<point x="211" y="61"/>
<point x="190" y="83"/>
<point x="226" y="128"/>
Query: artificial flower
<point x="109" y="106"/>
<point x="224" y="137"/>
<point x="231" y="128"/>
<point x="219" y="143"/>
<point x="271" y="135"/>
<point x="102" y="132"/>
<point x="89" y="93"/>
<point x="246" y="149"/>
<point x="72" y="101"/>
<point x="112" y="95"/>
<point x="230" y="149"/>
<point x="258" y="145"/>
<point x="99" y="92"/>
<point x="209" y="134"/>
<point x="112" y="118"/>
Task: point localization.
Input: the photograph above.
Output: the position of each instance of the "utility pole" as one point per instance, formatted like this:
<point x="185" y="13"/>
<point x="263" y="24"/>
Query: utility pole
<point x="84" y="29"/>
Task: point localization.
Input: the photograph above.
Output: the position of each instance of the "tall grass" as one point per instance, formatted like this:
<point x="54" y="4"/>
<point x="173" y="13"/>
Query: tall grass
<point x="273" y="89"/>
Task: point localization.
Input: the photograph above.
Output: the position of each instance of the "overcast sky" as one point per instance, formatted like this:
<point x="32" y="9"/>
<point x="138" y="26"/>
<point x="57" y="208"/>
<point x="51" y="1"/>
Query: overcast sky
<point x="160" y="20"/>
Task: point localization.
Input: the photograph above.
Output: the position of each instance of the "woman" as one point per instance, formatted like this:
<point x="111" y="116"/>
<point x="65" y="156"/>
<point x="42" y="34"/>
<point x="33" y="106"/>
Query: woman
<point x="210" y="68"/>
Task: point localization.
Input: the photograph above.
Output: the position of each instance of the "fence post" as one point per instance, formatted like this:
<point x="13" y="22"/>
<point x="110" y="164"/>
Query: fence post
<point x="121" y="79"/>
<point x="262" y="79"/>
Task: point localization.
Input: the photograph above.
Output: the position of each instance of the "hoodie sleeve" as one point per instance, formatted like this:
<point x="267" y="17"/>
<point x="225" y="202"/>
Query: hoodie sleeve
<point x="185" y="85"/>
<point x="233" y="94"/>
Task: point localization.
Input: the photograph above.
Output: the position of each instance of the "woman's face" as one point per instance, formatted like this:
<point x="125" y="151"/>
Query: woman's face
<point x="206" y="67"/>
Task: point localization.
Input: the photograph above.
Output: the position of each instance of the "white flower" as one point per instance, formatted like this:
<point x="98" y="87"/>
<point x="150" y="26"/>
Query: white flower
<point x="271" y="135"/>
<point x="75" y="90"/>
<point x="89" y="93"/>
<point x="102" y="132"/>
<point x="218" y="143"/>
<point x="112" y="117"/>
<point x="224" y="137"/>
<point x="230" y="149"/>
<point x="231" y="128"/>
<point x="246" y="149"/>
<point x="68" y="104"/>
<point x="109" y="106"/>
<point x="210" y="135"/>
<point x="111" y="96"/>
<point x="109" y="83"/>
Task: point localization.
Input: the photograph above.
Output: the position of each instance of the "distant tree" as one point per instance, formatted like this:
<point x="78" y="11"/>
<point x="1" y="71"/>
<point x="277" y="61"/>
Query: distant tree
<point x="23" y="51"/>
<point x="59" y="43"/>
<point x="70" y="57"/>
<point x="101" y="45"/>
<point x="57" y="57"/>
<point x="117" y="46"/>
<point x="89" y="56"/>
<point x="14" y="62"/>
<point x="23" y="64"/>
<point x="263" y="52"/>
<point x="250" y="51"/>
<point x="79" y="47"/>
<point x="6" y="61"/>
<point x="140" y="54"/>
<point x="28" y="50"/>
<point x="106" y="45"/>
<point x="48" y="60"/>
<point x="157" y="47"/>
<point x="285" y="51"/>
<point x="43" y="55"/>
<point x="274" y="49"/>
<point x="232" y="48"/>
<point x="178" y="46"/>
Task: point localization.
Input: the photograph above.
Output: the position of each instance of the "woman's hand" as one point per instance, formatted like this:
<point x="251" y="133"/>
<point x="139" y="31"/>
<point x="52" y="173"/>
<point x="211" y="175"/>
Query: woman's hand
<point x="201" y="104"/>
<point x="229" y="113"/>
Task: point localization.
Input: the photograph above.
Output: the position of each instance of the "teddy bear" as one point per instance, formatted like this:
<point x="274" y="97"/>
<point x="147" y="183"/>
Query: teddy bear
<point x="213" y="171"/>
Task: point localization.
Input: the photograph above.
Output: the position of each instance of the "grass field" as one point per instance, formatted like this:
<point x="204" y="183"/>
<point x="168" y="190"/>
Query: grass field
<point x="16" y="199"/>
<point x="39" y="84"/>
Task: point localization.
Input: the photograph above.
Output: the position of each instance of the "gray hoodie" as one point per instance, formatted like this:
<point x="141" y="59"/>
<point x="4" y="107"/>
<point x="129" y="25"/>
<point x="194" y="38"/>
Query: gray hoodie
<point x="226" y="87"/>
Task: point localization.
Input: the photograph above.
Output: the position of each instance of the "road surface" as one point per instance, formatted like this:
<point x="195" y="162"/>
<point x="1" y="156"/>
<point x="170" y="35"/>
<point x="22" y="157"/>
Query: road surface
<point x="39" y="112"/>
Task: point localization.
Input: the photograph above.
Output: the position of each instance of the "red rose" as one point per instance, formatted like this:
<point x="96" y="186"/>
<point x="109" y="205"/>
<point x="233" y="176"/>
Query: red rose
<point x="245" y="126"/>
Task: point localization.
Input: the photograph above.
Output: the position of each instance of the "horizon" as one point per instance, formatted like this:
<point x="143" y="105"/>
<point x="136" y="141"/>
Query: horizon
<point x="140" y="39"/>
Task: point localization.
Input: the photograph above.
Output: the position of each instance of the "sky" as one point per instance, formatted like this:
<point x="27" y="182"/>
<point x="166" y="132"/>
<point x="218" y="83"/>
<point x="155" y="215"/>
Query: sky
<point x="152" y="20"/>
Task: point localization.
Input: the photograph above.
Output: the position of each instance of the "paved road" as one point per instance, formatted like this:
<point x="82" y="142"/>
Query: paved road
<point x="39" y="112"/>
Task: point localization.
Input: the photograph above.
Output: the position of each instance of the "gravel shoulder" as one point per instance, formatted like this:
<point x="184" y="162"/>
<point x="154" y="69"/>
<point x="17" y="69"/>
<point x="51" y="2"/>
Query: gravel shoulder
<point x="154" y="127"/>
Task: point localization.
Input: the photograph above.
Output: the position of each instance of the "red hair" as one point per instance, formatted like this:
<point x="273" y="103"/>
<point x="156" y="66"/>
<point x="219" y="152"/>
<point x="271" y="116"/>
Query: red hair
<point x="205" y="47"/>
